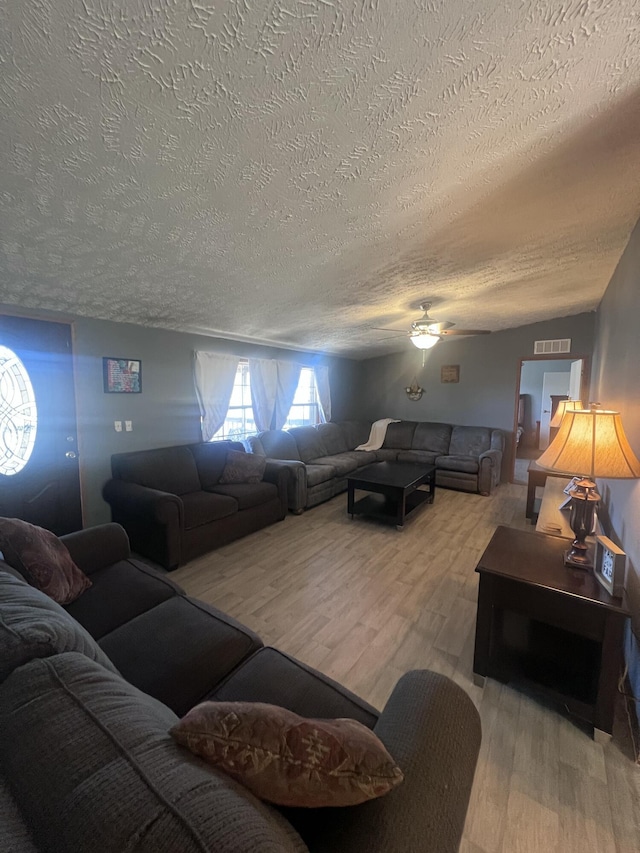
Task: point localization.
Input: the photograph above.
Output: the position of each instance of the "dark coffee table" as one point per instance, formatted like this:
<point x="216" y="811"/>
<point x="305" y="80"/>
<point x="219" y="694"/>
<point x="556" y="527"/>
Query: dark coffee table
<point x="395" y="490"/>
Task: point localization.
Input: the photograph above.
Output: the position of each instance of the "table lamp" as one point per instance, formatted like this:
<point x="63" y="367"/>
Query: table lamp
<point x="561" y="408"/>
<point x="592" y="443"/>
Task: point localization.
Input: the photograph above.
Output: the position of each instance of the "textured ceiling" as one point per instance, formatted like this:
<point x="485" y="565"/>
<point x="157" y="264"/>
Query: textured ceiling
<point x="300" y="171"/>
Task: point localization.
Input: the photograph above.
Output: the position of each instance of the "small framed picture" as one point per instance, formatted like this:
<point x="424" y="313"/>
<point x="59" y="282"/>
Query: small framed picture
<point x="609" y="566"/>
<point x="450" y="373"/>
<point x="122" y="375"/>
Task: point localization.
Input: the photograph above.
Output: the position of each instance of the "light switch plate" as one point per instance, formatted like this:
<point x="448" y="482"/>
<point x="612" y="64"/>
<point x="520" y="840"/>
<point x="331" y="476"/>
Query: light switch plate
<point x="117" y="425"/>
<point x="128" y="425"/>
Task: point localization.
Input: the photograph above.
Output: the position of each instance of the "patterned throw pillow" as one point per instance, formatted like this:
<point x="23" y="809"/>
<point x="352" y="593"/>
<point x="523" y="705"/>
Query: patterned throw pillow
<point x="243" y="467"/>
<point x="42" y="559"/>
<point x="290" y="760"/>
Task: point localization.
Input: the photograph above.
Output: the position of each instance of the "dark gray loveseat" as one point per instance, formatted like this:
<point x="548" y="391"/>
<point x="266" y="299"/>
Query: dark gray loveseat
<point x="320" y="458"/>
<point x="173" y="506"/>
<point x="87" y="698"/>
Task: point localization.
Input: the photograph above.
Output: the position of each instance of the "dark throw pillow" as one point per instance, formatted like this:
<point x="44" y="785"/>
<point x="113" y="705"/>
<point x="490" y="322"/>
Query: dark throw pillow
<point x="243" y="467"/>
<point x="287" y="759"/>
<point x="42" y="559"/>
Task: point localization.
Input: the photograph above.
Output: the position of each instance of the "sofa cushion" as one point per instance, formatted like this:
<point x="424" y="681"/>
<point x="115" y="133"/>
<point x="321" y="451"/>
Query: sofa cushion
<point x="333" y="438"/>
<point x="385" y="454"/>
<point x="204" y="507"/>
<point x="243" y="467"/>
<point x="119" y="593"/>
<point x="279" y="444"/>
<point x="355" y="432"/>
<point x="287" y="759"/>
<point x="211" y="457"/>
<point x="432" y="436"/>
<point x="469" y="441"/>
<point x="276" y="678"/>
<point x="42" y="559"/>
<point x="168" y="469"/>
<point x="309" y="443"/>
<point x="317" y="474"/>
<point x="424" y="457"/>
<point x="14" y="835"/>
<point x="248" y="495"/>
<point x="363" y="457"/>
<point x="179" y="649"/>
<point x="92" y="766"/>
<point x="32" y="626"/>
<point x="466" y="464"/>
<point x="400" y="435"/>
<point x="344" y="463"/>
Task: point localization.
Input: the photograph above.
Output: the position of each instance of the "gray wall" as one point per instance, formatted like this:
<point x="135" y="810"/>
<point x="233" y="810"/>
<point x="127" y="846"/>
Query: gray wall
<point x="531" y="378"/>
<point x="489" y="366"/>
<point x="616" y="385"/>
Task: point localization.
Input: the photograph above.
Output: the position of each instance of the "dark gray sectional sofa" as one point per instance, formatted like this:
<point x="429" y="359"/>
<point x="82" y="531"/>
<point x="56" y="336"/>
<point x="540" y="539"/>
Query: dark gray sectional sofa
<point x="89" y="692"/>
<point x="320" y="458"/>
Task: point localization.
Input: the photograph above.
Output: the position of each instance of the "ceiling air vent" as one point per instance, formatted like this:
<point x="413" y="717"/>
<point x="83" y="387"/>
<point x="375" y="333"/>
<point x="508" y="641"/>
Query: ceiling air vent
<point x="552" y="347"/>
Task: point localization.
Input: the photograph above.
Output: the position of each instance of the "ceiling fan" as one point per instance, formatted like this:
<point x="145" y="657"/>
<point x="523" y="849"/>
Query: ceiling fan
<point x="427" y="332"/>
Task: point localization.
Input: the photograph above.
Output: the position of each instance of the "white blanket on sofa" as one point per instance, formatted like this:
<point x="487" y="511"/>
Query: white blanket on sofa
<point x="377" y="434"/>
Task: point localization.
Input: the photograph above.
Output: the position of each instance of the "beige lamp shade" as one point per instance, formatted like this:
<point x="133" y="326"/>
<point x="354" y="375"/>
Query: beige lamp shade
<point x="591" y="442"/>
<point x="563" y="405"/>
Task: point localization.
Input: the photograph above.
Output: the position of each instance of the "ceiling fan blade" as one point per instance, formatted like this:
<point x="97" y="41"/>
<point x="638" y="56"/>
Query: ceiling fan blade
<point x="397" y="331"/>
<point x="448" y="332"/>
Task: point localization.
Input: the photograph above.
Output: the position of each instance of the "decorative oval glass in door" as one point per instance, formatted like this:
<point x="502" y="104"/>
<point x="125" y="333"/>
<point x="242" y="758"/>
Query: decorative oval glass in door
<point x="18" y="413"/>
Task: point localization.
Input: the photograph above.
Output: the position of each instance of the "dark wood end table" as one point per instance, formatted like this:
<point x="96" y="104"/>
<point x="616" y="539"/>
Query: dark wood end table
<point x="548" y="626"/>
<point x="394" y="488"/>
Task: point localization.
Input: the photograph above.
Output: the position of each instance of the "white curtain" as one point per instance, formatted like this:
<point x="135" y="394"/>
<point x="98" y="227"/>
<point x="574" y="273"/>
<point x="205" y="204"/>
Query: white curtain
<point x="263" y="379"/>
<point x="321" y="373"/>
<point x="288" y="378"/>
<point x="214" y="378"/>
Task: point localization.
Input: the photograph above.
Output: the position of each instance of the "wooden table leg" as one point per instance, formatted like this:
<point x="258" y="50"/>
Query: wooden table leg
<point x="483" y="627"/>
<point x="610" y="666"/>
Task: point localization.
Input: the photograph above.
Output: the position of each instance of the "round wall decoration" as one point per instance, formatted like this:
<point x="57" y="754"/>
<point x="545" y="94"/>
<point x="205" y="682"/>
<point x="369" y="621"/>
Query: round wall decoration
<point x="18" y="413"/>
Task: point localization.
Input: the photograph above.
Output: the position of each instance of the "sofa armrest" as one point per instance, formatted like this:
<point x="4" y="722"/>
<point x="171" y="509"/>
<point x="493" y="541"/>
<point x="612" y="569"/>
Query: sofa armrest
<point x="133" y="500"/>
<point x="97" y="547"/>
<point x="490" y="466"/>
<point x="297" y="477"/>
<point x="432" y="729"/>
<point x="279" y="475"/>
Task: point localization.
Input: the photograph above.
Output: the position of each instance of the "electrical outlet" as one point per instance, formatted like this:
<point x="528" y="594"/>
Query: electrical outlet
<point x="128" y="425"/>
<point x="117" y="425"/>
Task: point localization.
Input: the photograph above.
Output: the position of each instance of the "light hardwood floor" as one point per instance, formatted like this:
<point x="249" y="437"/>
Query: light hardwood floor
<point x="364" y="603"/>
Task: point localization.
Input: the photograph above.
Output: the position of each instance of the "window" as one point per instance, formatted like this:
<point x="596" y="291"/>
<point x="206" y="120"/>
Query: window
<point x="18" y="414"/>
<point x="239" y="422"/>
<point x="305" y="410"/>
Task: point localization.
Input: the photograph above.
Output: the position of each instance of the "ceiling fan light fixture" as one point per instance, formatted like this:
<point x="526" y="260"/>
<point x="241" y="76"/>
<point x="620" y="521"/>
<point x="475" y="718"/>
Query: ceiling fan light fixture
<point x="424" y="340"/>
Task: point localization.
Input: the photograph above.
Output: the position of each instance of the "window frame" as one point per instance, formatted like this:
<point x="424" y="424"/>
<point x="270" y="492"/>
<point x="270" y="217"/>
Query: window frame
<point x="242" y="370"/>
<point x="313" y="404"/>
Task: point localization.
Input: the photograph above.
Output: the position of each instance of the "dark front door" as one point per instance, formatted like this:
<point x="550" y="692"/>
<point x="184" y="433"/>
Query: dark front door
<point x="39" y="476"/>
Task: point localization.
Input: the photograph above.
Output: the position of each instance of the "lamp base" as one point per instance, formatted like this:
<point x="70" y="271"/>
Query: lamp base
<point x="584" y="500"/>
<point x="577" y="557"/>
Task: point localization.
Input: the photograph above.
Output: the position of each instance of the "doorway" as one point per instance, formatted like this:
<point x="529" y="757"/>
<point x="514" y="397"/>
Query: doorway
<point x="542" y="382"/>
<point x="39" y="473"/>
